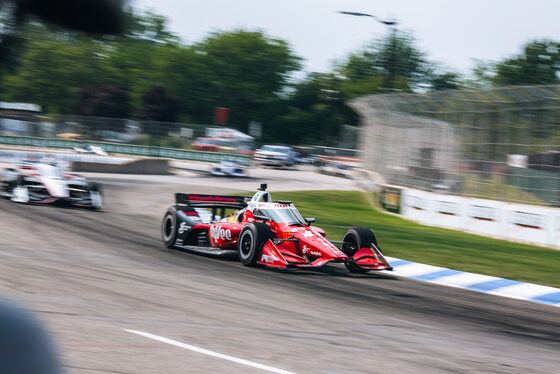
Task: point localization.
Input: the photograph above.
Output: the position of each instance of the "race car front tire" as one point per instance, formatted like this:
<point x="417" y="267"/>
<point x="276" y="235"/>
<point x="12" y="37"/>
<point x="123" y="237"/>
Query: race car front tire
<point x="96" y="195"/>
<point x="354" y="239"/>
<point x="169" y="229"/>
<point x="251" y="240"/>
<point x="20" y="192"/>
<point x="93" y="186"/>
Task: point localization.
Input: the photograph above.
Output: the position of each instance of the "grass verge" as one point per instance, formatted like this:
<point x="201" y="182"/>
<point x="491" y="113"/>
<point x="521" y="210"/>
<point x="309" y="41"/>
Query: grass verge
<point x="336" y="211"/>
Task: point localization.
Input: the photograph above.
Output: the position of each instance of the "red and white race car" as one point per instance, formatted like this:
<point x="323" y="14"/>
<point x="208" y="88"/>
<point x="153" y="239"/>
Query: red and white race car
<point x="264" y="232"/>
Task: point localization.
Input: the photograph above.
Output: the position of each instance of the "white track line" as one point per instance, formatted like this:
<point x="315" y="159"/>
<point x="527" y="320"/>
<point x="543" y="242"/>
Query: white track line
<point x="209" y="353"/>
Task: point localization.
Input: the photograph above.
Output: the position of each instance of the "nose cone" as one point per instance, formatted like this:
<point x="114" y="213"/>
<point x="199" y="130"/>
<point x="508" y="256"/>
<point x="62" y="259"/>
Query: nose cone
<point x="57" y="188"/>
<point x="314" y="244"/>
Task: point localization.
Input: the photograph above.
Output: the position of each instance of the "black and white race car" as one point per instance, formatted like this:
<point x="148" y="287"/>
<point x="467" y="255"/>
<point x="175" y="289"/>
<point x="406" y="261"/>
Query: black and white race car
<point x="228" y="169"/>
<point x="46" y="182"/>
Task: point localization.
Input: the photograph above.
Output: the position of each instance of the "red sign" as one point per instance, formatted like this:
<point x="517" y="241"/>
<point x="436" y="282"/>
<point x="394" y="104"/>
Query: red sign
<point x="221" y="115"/>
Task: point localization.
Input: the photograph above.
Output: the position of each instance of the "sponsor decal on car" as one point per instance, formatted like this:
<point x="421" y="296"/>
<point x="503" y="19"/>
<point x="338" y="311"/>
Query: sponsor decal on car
<point x="188" y="213"/>
<point x="308" y="251"/>
<point x="212" y="198"/>
<point x="217" y="232"/>
<point x="268" y="259"/>
<point x="183" y="227"/>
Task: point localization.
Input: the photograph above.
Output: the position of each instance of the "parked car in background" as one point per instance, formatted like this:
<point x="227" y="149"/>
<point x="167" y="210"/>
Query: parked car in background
<point x="241" y="142"/>
<point x="71" y="136"/>
<point x="304" y="156"/>
<point x="275" y="155"/>
<point x="205" y="144"/>
<point x="225" y="145"/>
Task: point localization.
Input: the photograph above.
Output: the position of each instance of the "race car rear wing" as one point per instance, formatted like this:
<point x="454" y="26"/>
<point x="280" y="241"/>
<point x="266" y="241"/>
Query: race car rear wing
<point x="211" y="201"/>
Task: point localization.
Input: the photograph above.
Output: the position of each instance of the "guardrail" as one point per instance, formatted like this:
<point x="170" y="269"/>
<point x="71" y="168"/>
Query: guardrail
<point x="127" y="149"/>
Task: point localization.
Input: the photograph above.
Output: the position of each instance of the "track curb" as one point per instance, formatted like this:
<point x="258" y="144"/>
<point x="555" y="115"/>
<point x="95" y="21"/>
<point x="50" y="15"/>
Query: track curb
<point x="476" y="282"/>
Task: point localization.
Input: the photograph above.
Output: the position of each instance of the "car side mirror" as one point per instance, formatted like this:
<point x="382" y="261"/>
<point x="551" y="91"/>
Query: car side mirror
<point x="309" y="220"/>
<point x="261" y="218"/>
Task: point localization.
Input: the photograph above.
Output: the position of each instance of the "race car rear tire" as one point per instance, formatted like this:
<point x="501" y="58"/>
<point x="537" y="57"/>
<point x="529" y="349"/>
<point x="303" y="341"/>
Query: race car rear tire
<point x="169" y="229"/>
<point x="251" y="240"/>
<point x="354" y="239"/>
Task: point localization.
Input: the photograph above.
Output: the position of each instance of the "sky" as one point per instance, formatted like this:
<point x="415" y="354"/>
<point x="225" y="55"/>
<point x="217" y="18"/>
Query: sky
<point x="451" y="32"/>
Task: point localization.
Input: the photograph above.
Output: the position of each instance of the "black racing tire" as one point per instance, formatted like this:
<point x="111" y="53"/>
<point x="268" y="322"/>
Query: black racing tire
<point x="169" y="229"/>
<point x="9" y="185"/>
<point x="20" y="181"/>
<point x="251" y="240"/>
<point x="96" y="187"/>
<point x="354" y="239"/>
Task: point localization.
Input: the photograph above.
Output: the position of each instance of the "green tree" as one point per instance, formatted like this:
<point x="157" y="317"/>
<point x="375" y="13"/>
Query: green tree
<point x="160" y="107"/>
<point x="102" y="100"/>
<point x="244" y="71"/>
<point x="131" y="60"/>
<point x="313" y="113"/>
<point x="10" y="40"/>
<point x="445" y="81"/>
<point x="184" y="72"/>
<point x="56" y="63"/>
<point x="391" y="63"/>
<point x="482" y="74"/>
<point x="51" y="71"/>
<point x="539" y="63"/>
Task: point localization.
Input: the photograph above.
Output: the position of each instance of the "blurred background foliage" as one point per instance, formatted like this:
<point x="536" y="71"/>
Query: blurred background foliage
<point x="149" y="73"/>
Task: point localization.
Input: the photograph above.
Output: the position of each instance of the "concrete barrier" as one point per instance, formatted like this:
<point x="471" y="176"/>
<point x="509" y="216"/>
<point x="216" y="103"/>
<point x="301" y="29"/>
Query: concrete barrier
<point x="526" y="223"/>
<point x="15" y="156"/>
<point x="142" y="166"/>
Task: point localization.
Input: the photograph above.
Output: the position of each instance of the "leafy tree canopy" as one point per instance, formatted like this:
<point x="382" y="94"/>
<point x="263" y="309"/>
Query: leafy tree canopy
<point x="391" y="63"/>
<point x="103" y="100"/>
<point x="539" y="63"/>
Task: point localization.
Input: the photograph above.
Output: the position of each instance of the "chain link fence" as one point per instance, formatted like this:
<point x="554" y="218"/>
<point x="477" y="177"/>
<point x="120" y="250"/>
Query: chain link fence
<point x="111" y="132"/>
<point x="498" y="143"/>
<point x="82" y="134"/>
<point x="101" y="129"/>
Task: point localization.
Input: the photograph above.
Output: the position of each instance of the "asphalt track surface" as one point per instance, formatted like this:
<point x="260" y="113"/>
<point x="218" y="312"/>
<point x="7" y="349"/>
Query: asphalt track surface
<point x="89" y="276"/>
